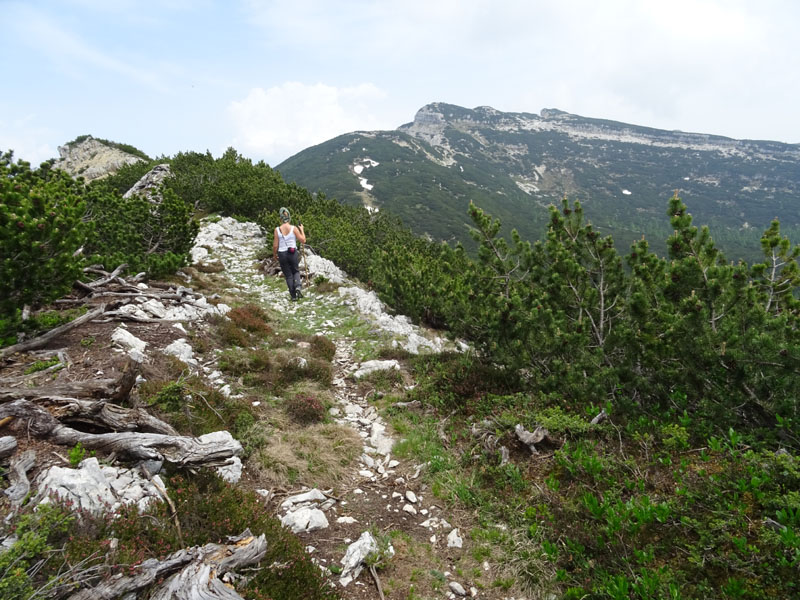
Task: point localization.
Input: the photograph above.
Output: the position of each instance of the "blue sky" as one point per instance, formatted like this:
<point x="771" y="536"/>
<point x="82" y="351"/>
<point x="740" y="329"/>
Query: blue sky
<point x="271" y="77"/>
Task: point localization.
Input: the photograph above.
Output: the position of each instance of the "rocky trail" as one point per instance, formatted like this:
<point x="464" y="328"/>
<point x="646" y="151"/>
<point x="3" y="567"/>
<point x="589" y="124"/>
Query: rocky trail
<point x="381" y="498"/>
<point x="377" y="532"/>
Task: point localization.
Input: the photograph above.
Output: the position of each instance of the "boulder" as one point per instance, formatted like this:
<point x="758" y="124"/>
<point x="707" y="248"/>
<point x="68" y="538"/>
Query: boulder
<point x="371" y="366"/>
<point x="97" y="489"/>
<point x="304" y="520"/>
<point x="132" y="345"/>
<point x="148" y="185"/>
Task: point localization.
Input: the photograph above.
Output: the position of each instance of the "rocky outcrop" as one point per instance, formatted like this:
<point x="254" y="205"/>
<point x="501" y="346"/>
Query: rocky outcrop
<point x="92" y="159"/>
<point x="429" y="125"/>
<point x="149" y="184"/>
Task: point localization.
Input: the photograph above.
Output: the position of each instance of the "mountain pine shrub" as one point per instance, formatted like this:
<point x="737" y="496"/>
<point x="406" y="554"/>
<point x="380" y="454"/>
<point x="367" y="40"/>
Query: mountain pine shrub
<point x="41" y="233"/>
<point x="155" y="237"/>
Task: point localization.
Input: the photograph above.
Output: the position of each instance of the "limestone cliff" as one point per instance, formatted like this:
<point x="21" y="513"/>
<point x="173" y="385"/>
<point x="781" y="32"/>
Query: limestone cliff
<point x="92" y="159"/>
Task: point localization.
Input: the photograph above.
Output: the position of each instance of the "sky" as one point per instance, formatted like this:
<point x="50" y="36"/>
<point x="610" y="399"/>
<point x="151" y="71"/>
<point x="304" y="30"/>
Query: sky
<point x="272" y="77"/>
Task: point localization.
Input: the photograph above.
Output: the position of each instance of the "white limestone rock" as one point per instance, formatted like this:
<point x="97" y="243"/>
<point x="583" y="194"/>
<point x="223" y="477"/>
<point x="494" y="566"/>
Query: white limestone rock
<point x="346" y="520"/>
<point x="352" y="410"/>
<point x="232" y="472"/>
<point x="97" y="489"/>
<point x="313" y="495"/>
<point x="457" y="588"/>
<point x="198" y="254"/>
<point x="181" y="350"/>
<point x="322" y="266"/>
<point x="454" y="539"/>
<point x="92" y="159"/>
<point x="148" y="185"/>
<point x="133" y="310"/>
<point x="357" y="552"/>
<point x="371" y="366"/>
<point x="378" y="438"/>
<point x="132" y="345"/>
<point x="304" y="520"/>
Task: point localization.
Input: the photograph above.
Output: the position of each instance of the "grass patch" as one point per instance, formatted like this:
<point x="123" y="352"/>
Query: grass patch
<point x="319" y="454"/>
<point x="42" y="322"/>
<point x="41" y="365"/>
<point x="325" y="286"/>
<point x="194" y="408"/>
<point x="385" y="380"/>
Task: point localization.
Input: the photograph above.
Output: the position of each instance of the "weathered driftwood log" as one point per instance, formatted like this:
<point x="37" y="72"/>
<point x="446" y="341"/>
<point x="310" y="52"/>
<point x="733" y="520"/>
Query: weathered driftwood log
<point x="180" y="290"/>
<point x="8" y="445"/>
<point x="196" y="573"/>
<point x="106" y="277"/>
<point x="531" y="438"/>
<point x="116" y="315"/>
<point x="602" y="415"/>
<point x="106" y="415"/>
<point x="44" y="339"/>
<point x="208" y="450"/>
<point x="20" y="486"/>
<point x="116" y="389"/>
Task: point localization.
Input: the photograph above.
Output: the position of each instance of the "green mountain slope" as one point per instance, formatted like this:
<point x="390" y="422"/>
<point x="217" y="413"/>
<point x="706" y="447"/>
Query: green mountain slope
<point x="515" y="164"/>
<point x="413" y="180"/>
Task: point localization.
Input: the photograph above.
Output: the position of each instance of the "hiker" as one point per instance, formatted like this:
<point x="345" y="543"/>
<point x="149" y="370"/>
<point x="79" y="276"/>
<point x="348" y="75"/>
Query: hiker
<point x="284" y="248"/>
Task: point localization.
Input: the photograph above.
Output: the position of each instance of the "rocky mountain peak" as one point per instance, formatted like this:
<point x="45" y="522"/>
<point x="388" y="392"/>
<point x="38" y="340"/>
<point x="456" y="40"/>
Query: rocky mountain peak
<point x="92" y="158"/>
<point x="428" y="125"/>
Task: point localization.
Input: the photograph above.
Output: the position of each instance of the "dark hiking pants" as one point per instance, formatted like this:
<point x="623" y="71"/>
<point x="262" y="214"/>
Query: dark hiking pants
<point x="290" y="265"/>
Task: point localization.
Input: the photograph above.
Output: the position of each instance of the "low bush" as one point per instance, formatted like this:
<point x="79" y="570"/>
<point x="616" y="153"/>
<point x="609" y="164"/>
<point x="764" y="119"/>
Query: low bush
<point x="304" y="408"/>
<point x="194" y="408"/>
<point x="323" y="348"/>
<point x="252" y="318"/>
<point x="229" y="333"/>
<point x="293" y="369"/>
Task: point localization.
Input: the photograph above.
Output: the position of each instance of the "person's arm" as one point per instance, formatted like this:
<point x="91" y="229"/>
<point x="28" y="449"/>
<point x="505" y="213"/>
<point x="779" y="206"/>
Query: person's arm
<point x="275" y="244"/>
<point x="300" y="234"/>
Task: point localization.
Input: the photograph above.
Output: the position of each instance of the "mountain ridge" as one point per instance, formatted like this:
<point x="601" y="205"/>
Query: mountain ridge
<point x="516" y="164"/>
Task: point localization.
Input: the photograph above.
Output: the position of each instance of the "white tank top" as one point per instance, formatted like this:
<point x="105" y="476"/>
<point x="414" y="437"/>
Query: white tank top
<point x="286" y="241"/>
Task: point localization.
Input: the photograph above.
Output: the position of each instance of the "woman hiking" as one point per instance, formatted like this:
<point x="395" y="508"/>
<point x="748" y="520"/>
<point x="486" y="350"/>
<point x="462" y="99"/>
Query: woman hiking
<point x="284" y="248"/>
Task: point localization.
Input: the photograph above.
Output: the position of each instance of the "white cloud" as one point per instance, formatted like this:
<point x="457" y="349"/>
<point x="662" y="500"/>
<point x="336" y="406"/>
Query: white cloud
<point x="26" y="140"/>
<point x="282" y="120"/>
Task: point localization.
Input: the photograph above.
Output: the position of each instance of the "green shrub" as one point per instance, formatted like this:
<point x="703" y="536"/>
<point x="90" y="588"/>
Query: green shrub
<point x="41" y="365"/>
<point x="76" y="454"/>
<point x="151" y="236"/>
<point x="294" y="369"/>
<point x="22" y="563"/>
<point x="41" y="231"/>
